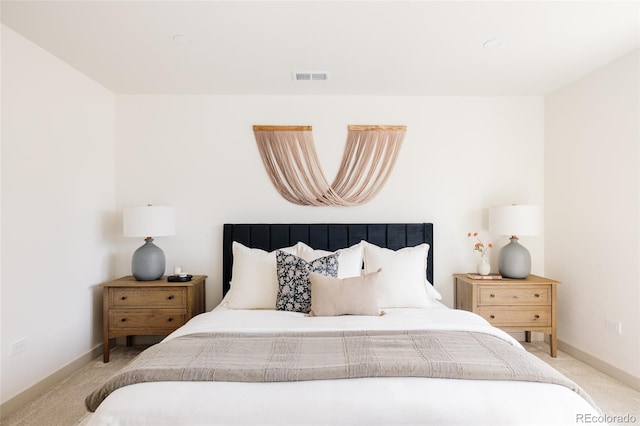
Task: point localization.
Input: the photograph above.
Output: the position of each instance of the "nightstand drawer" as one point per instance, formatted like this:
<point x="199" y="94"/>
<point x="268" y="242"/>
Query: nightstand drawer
<point x="149" y="320"/>
<point x="152" y="297"/>
<point x="520" y="295"/>
<point x="508" y="316"/>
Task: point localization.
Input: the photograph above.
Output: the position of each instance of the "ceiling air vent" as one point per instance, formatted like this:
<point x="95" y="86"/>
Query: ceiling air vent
<point x="310" y="76"/>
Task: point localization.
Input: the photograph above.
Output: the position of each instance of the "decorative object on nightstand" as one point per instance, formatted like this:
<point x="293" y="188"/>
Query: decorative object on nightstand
<point x="148" y="261"/>
<point x="483" y="267"/>
<point x="179" y="275"/>
<point x="512" y="305"/>
<point x="180" y="278"/>
<point x="132" y="307"/>
<point x="484" y="277"/>
<point x="514" y="260"/>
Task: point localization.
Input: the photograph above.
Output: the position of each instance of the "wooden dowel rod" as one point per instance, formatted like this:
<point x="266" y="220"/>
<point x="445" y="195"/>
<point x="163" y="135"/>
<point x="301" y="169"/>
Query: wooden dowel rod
<point x="281" y="128"/>
<point x="375" y="127"/>
<point x="309" y="128"/>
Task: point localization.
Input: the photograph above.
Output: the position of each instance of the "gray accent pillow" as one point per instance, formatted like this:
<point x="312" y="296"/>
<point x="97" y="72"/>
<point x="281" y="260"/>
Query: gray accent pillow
<point x="294" y="287"/>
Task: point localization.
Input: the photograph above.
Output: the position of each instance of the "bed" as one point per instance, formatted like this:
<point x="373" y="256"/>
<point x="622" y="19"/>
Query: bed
<point x="399" y="356"/>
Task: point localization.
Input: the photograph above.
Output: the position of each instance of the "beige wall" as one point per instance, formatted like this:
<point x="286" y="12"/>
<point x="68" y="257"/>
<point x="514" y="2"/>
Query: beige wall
<point x="460" y="156"/>
<point x="57" y="211"/>
<point x="592" y="193"/>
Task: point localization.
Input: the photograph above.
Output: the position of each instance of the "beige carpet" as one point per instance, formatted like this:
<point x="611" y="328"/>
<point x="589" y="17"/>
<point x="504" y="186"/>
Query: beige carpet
<point x="63" y="405"/>
<point x="612" y="396"/>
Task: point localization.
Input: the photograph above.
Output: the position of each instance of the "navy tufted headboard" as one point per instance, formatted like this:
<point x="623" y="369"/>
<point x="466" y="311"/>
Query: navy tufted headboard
<point x="321" y="236"/>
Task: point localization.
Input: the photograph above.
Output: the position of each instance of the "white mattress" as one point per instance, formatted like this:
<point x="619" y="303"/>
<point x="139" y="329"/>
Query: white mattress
<point x="370" y="401"/>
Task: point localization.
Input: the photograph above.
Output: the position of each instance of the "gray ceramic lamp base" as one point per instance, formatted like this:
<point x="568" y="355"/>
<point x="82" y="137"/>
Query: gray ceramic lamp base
<point x="148" y="262"/>
<point x="514" y="261"/>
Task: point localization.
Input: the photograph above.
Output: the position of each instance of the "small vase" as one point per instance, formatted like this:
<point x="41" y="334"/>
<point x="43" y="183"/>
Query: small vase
<point x="483" y="267"/>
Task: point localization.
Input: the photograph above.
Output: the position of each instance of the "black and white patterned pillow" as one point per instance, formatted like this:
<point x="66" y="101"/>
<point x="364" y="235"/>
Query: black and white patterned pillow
<point x="294" y="287"/>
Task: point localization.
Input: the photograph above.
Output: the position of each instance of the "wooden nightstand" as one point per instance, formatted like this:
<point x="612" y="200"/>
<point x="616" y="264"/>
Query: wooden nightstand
<point x="149" y="307"/>
<point x="513" y="305"/>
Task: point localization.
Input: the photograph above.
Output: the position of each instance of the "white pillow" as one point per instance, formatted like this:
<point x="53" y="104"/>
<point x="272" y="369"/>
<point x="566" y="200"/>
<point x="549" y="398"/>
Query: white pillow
<point x="254" y="282"/>
<point x="404" y="283"/>
<point x="349" y="261"/>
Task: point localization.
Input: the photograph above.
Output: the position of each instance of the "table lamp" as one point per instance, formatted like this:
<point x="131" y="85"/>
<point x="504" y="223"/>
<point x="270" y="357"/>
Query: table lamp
<point x="514" y="260"/>
<point x="148" y="261"/>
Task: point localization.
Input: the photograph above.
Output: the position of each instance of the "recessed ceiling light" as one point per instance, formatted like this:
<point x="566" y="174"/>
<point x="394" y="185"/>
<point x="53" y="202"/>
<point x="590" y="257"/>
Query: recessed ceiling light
<point x="492" y="43"/>
<point x="181" y="39"/>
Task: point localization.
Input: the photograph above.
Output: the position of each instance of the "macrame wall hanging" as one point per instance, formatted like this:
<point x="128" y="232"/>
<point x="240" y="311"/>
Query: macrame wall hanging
<point x="289" y="155"/>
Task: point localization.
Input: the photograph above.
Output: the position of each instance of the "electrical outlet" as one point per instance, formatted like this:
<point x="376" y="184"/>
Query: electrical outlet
<point x="613" y="326"/>
<point x="19" y="346"/>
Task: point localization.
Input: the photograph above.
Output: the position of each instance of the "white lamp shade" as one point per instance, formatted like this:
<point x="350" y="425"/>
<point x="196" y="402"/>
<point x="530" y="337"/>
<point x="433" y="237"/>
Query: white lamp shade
<point x="514" y="220"/>
<point x="149" y="221"/>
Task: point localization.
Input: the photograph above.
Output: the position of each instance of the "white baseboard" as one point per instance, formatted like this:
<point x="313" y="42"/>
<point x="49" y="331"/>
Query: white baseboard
<point x="615" y="372"/>
<point x="34" y="391"/>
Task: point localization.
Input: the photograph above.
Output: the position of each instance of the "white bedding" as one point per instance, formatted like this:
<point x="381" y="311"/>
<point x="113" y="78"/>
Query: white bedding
<point x="370" y="401"/>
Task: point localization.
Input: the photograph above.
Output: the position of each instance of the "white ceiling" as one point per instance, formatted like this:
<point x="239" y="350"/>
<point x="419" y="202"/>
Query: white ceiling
<point x="369" y="48"/>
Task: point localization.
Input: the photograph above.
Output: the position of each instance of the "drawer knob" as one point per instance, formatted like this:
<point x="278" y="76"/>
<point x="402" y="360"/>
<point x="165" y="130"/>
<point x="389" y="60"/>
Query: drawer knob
<point x="537" y="295"/>
<point x="492" y="295"/>
<point x="492" y="316"/>
<point x="537" y="316"/>
<point x="123" y="298"/>
<point x="170" y="319"/>
<point x="170" y="297"/>
<point x="123" y="319"/>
